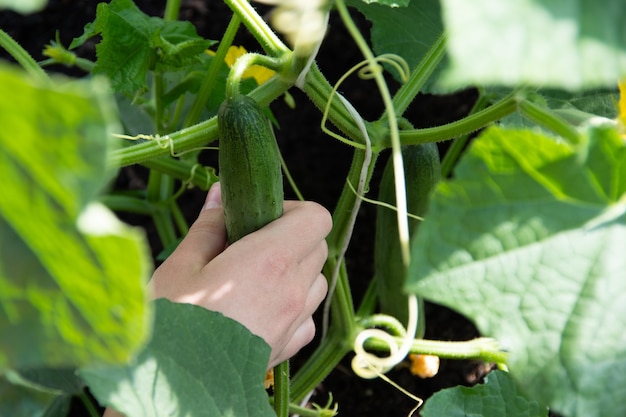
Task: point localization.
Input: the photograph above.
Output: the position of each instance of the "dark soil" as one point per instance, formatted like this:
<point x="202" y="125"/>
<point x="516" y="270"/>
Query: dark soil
<point x="318" y="164"/>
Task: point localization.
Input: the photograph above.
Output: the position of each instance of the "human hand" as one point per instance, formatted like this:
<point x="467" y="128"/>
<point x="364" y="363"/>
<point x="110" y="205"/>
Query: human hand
<point x="269" y="281"/>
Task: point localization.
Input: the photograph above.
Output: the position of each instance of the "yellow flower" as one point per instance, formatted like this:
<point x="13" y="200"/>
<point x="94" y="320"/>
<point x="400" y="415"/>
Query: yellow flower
<point x="303" y="22"/>
<point x="258" y="72"/>
<point x="269" y="379"/>
<point x="424" y="366"/>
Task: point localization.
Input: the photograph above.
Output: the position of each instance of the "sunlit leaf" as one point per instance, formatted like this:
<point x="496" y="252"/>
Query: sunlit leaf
<point x="72" y="276"/>
<point x="527" y="240"/>
<point x="570" y="44"/>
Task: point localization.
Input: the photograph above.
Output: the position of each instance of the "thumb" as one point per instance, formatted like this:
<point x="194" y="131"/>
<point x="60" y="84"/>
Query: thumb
<point x="207" y="235"/>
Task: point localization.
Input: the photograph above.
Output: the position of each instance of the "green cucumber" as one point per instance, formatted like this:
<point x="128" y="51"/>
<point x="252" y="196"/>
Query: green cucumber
<point x="249" y="167"/>
<point x="422" y="170"/>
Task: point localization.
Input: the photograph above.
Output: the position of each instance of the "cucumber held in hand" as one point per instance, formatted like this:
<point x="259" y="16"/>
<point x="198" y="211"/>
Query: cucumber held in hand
<point x="249" y="167"/>
<point x="422" y="170"/>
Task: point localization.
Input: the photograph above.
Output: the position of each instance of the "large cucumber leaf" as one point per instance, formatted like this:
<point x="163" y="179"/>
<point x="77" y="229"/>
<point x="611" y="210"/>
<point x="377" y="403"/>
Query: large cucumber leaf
<point x="72" y="276"/>
<point x="497" y="397"/>
<point x="569" y="44"/>
<point x="198" y="363"/>
<point x="528" y="241"/>
<point x="575" y="108"/>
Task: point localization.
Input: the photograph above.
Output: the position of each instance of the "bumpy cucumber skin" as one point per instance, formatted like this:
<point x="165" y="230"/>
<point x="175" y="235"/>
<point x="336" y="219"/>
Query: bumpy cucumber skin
<point x="249" y="167"/>
<point x="422" y="170"/>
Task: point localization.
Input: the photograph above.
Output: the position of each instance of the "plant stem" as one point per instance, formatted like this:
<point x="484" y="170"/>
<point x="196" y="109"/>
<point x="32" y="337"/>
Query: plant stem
<point x="345" y="203"/>
<point x="243" y="63"/>
<point x="91" y="409"/>
<point x="195" y="136"/>
<point x="157" y="96"/>
<point x="202" y="177"/>
<point x="318" y="89"/>
<point x="328" y="354"/>
<point x="453" y="153"/>
<point x="290" y="180"/>
<point x="161" y="186"/>
<point x="22" y="57"/>
<point x="258" y="28"/>
<point x="464" y="126"/>
<point x="342" y="306"/>
<point x="210" y="78"/>
<point x="127" y="204"/>
<point x="281" y="389"/>
<point x="481" y="348"/>
<point x="179" y="219"/>
<point x="545" y="117"/>
<point x="160" y="190"/>
<point x="172" y="9"/>
<point x="407" y="92"/>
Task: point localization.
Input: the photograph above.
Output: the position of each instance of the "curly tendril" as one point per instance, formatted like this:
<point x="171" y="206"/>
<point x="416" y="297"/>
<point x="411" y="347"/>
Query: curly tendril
<point x="369" y="366"/>
<point x="366" y="71"/>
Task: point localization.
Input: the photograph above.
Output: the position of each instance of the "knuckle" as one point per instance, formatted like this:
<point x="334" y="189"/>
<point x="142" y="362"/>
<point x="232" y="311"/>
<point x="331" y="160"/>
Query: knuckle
<point x="294" y="305"/>
<point x="309" y="332"/>
<point x="276" y="265"/>
<point x="321" y="216"/>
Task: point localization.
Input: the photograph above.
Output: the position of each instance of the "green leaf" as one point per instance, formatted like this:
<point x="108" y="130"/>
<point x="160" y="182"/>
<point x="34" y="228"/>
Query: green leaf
<point x="497" y="397"/>
<point x="23" y="6"/>
<point x="177" y="44"/>
<point x="405" y="31"/>
<point x="64" y="380"/>
<point x="389" y="3"/>
<point x="134" y="43"/>
<point x="199" y="363"/>
<point x="578" y="109"/>
<point x="72" y="276"/>
<point x="561" y="44"/>
<point x="60" y="407"/>
<point x="19" y="401"/>
<point x="528" y="242"/>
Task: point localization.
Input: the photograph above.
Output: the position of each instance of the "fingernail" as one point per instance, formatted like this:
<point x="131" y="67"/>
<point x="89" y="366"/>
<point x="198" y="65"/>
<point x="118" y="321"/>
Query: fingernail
<point x="213" y="197"/>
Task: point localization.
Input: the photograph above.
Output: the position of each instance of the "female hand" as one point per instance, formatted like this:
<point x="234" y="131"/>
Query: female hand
<point x="269" y="281"/>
